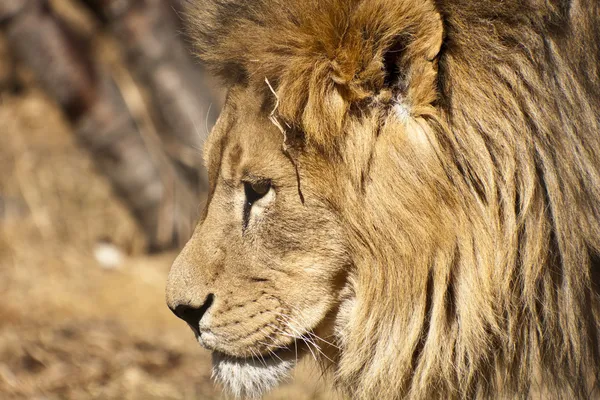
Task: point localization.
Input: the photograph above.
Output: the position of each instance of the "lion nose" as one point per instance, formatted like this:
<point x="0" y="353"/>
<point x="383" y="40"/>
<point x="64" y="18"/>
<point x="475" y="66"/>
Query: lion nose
<point x="191" y="314"/>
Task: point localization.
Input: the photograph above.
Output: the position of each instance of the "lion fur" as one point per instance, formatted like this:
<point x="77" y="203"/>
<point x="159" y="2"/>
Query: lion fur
<point x="476" y="248"/>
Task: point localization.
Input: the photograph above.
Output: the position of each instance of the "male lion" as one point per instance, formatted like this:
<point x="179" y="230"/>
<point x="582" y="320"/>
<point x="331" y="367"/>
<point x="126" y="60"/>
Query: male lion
<point x="407" y="189"/>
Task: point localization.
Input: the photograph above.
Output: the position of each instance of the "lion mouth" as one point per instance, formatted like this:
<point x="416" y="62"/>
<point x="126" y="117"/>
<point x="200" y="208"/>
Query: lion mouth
<point x="282" y="353"/>
<point x="251" y="371"/>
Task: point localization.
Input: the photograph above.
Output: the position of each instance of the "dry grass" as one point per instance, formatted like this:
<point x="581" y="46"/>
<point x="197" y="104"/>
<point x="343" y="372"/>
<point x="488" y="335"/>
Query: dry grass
<point x="69" y="328"/>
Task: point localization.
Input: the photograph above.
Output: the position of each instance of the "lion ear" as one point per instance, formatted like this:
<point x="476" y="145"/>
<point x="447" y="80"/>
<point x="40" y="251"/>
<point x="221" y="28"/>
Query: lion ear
<point x="410" y="63"/>
<point x="385" y="57"/>
<point x="391" y="60"/>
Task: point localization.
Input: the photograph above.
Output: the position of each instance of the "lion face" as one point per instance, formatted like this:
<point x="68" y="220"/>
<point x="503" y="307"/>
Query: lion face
<point x="292" y="245"/>
<point x="265" y="270"/>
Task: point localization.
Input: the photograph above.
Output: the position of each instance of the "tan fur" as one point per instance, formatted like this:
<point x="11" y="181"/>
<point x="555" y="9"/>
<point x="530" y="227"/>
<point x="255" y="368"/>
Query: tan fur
<point x="436" y="208"/>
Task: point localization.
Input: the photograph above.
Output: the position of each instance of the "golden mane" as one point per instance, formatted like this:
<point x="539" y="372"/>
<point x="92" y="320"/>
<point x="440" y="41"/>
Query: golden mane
<point x="483" y="277"/>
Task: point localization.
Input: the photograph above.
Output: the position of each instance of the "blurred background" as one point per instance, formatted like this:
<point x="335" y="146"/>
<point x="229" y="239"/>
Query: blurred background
<point x="103" y="115"/>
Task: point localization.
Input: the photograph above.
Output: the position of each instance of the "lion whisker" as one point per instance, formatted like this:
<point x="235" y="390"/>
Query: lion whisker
<point x="275" y="355"/>
<point x="302" y="337"/>
<point x="259" y="358"/>
<point x="310" y="332"/>
<point x="314" y="335"/>
<point x="295" y="337"/>
<point x="318" y="348"/>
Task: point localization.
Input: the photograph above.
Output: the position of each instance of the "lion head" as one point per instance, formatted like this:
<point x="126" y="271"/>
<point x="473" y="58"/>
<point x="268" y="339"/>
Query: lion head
<point x="406" y="190"/>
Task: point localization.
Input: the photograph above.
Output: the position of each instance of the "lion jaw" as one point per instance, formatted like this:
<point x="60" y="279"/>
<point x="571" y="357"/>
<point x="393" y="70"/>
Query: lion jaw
<point x="250" y="377"/>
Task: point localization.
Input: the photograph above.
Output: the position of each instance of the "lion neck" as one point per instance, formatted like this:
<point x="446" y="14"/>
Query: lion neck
<point x="445" y="296"/>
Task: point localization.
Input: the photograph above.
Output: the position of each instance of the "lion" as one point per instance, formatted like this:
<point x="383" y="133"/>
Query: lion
<point x="407" y="191"/>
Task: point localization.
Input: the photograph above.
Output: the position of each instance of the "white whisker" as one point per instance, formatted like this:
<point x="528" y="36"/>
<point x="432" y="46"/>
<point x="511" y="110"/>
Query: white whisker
<point x="206" y="119"/>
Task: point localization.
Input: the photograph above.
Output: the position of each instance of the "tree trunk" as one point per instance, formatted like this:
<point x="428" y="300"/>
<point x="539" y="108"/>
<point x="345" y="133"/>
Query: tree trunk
<point x="135" y="163"/>
<point x="148" y="33"/>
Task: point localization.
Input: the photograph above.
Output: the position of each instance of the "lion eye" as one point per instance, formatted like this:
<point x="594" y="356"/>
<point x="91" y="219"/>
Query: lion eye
<point x="256" y="190"/>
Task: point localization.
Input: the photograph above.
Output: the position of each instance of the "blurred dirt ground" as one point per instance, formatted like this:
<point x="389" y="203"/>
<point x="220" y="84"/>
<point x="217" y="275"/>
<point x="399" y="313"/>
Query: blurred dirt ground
<point x="74" y="324"/>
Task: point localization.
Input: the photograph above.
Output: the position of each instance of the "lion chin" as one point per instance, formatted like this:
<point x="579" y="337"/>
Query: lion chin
<point x="250" y="377"/>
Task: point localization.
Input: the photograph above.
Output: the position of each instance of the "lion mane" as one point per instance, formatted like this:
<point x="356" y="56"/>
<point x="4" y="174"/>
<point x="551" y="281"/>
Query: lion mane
<point x="476" y="253"/>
